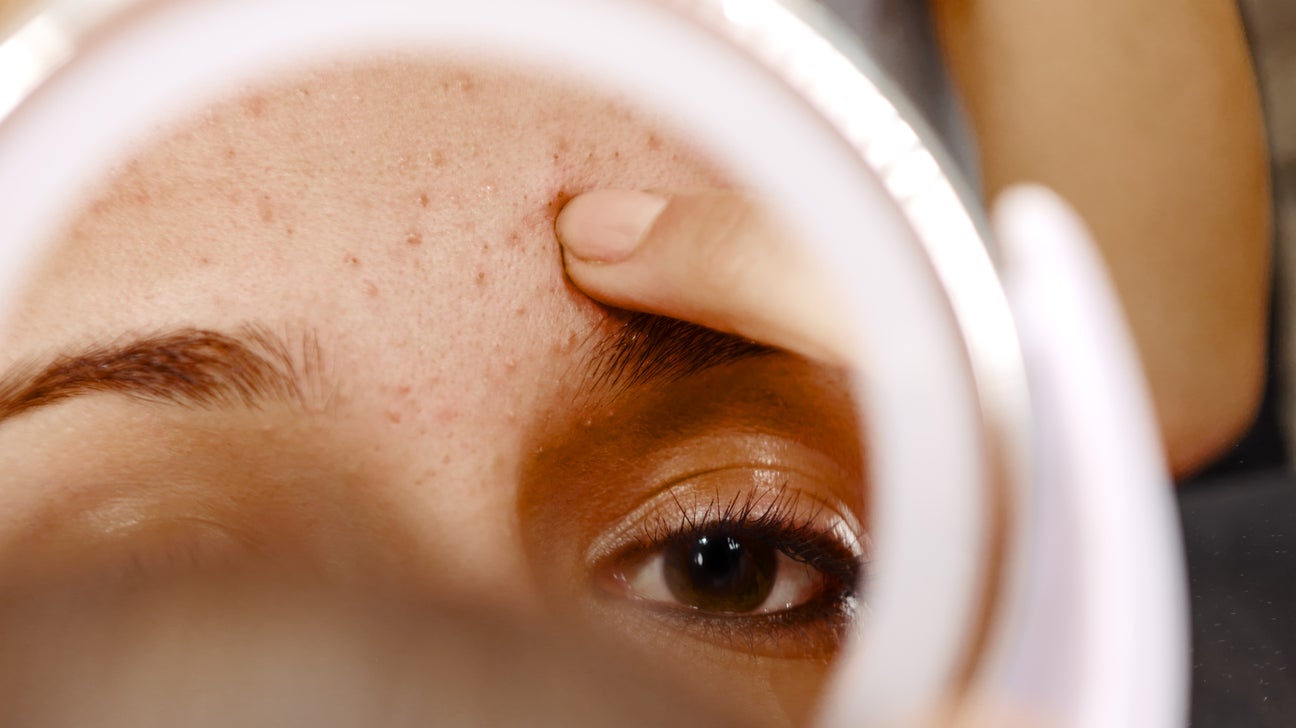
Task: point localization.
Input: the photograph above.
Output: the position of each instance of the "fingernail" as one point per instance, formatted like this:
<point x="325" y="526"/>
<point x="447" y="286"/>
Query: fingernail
<point x="606" y="226"/>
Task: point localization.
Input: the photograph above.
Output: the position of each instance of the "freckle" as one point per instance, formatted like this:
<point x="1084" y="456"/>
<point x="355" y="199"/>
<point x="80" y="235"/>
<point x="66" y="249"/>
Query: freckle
<point x="351" y="260"/>
<point x="414" y="238"/>
<point x="485" y="247"/>
<point x="519" y="311"/>
<point x="445" y="459"/>
<point x="654" y="142"/>
<point x="265" y="209"/>
<point x="289" y="230"/>
<point x="424" y="200"/>
<point x="394" y="417"/>
<point x="370" y="289"/>
<point x="230" y="153"/>
<point x="481" y="277"/>
<point x="515" y="239"/>
<point x="438" y="159"/>
<point x="616" y="154"/>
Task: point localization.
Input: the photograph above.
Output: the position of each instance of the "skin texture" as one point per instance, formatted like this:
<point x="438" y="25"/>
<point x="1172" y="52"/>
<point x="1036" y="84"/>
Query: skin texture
<point x="1146" y="117"/>
<point x="446" y="438"/>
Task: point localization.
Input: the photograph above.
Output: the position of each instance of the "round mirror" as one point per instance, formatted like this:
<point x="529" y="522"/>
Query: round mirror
<point x="284" y="292"/>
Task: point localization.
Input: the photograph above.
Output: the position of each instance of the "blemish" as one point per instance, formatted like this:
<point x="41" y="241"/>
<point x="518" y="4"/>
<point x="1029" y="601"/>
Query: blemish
<point x="654" y="142"/>
<point x="394" y="416"/>
<point x="510" y="364"/>
<point x="350" y="259"/>
<point x="424" y="200"/>
<point x="481" y="277"/>
<point x="439" y="159"/>
<point x="404" y="390"/>
<point x="230" y="153"/>
<point x="371" y="289"/>
<point x="413" y="237"/>
<point x="254" y="106"/>
<point x="558" y="202"/>
<point x="265" y="209"/>
<point x="515" y="239"/>
<point x="289" y="230"/>
<point x="204" y="261"/>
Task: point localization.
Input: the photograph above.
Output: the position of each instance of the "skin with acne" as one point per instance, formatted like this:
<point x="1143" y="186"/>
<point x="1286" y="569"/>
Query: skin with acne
<point x="441" y="411"/>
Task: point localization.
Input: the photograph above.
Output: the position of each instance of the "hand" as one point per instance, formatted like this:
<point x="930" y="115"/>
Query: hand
<point x="710" y="257"/>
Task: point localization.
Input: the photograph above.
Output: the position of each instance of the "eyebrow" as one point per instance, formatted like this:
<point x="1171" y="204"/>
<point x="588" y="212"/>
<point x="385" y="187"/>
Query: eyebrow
<point x="187" y="366"/>
<point x="252" y="365"/>
<point x="643" y="347"/>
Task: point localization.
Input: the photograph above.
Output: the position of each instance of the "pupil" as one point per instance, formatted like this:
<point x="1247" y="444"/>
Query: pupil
<point x="721" y="572"/>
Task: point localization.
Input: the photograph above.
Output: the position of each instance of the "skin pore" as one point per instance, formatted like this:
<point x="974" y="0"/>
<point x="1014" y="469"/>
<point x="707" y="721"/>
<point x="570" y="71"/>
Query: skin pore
<point x="323" y="328"/>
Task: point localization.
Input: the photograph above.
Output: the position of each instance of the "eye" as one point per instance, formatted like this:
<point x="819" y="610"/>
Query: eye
<point x="725" y="571"/>
<point x="772" y="571"/>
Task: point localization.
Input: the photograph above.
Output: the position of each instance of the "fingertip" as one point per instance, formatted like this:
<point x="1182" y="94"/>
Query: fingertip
<point x="606" y="226"/>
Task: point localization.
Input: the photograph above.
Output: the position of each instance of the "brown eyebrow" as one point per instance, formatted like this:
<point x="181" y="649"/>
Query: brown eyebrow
<point x="183" y="366"/>
<point x="201" y="367"/>
<point x="643" y="347"/>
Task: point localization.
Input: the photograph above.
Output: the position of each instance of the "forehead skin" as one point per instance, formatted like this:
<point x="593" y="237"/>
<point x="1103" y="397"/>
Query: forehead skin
<point x="403" y="210"/>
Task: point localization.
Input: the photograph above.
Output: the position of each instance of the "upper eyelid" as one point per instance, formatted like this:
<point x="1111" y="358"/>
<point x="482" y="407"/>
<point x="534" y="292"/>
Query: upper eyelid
<point x="778" y="483"/>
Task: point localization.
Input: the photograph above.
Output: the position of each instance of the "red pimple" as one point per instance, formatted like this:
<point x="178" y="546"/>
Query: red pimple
<point x="254" y="106"/>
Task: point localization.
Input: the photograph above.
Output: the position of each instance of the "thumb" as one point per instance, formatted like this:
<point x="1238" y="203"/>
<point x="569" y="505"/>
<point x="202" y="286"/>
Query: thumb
<point x="711" y="257"/>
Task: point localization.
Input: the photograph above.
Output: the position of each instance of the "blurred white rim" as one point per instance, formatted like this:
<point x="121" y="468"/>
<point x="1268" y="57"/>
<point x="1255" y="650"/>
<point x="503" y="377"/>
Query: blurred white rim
<point x="945" y="399"/>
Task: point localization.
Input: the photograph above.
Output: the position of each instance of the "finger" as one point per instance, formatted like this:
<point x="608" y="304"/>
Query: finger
<point x="711" y="257"/>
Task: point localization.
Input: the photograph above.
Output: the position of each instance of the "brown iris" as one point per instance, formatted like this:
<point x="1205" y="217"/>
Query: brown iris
<point x="720" y="572"/>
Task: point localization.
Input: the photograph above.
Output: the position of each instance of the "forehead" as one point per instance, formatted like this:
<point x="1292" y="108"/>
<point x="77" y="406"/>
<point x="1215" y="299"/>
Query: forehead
<point x="405" y="207"/>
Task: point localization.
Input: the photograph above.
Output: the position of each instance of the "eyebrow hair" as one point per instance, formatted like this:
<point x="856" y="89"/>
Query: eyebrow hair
<point x="193" y="366"/>
<point x="644" y="347"/>
<point x="205" y="368"/>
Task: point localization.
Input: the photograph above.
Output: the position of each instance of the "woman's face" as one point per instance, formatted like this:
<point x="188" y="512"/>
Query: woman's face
<point x="324" y="326"/>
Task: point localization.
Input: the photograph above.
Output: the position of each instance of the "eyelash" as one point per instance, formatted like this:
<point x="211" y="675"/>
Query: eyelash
<point x="815" y="628"/>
